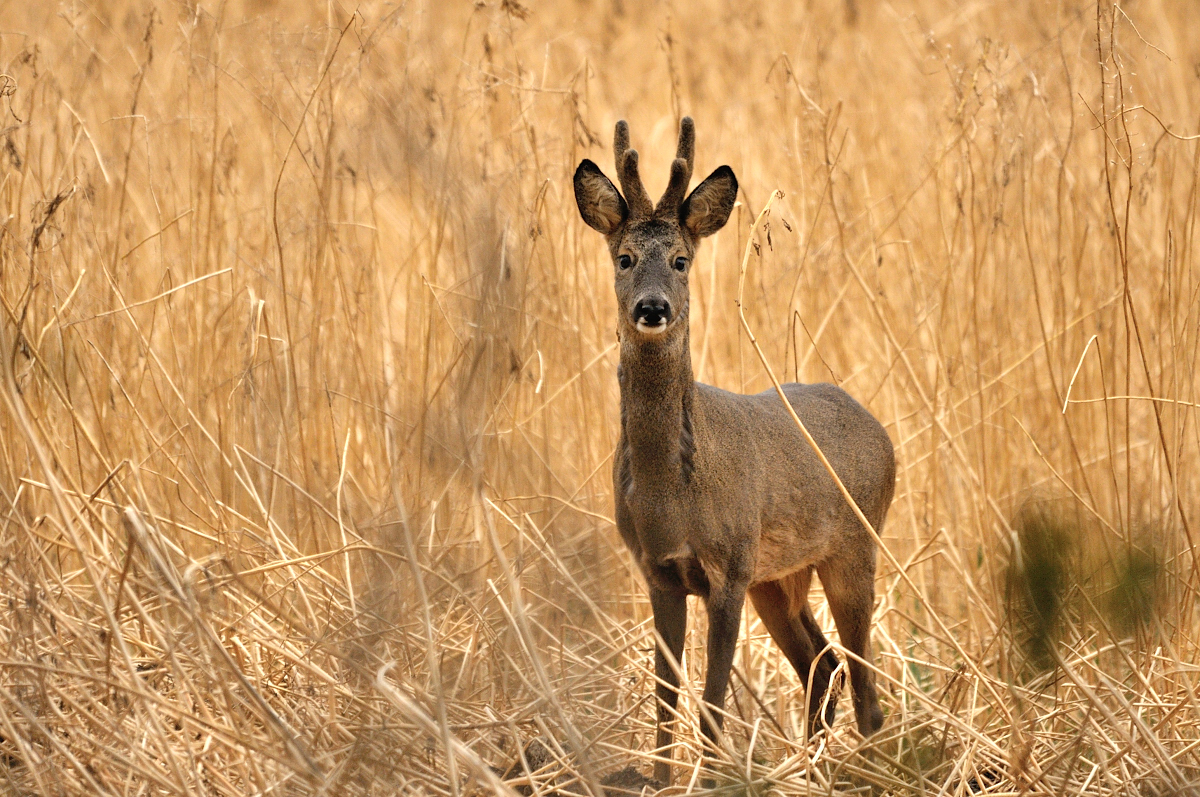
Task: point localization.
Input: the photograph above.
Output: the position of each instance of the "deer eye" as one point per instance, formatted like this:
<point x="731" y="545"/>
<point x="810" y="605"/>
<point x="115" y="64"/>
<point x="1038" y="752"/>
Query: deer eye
<point x="624" y="261"/>
<point x="680" y="263"/>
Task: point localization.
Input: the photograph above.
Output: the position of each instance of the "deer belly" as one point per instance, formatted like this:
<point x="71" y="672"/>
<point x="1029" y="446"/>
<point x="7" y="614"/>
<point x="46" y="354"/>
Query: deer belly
<point x="785" y="550"/>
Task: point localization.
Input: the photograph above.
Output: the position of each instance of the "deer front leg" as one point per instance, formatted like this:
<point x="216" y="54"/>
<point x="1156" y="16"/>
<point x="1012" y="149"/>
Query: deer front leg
<point x="724" y="622"/>
<point x="670" y="620"/>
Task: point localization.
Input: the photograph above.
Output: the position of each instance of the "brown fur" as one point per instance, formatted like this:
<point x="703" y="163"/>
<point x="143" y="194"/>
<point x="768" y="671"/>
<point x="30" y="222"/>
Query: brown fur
<point x="717" y="494"/>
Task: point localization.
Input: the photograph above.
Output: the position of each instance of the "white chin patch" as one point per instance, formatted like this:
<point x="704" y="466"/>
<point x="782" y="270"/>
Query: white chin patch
<point x="646" y="329"/>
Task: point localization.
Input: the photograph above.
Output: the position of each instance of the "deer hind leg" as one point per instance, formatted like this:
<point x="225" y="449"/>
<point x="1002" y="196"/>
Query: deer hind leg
<point x="849" y="582"/>
<point x="783" y="607"/>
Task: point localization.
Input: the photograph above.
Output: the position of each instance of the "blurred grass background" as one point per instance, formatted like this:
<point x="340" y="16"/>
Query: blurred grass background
<point x="309" y="386"/>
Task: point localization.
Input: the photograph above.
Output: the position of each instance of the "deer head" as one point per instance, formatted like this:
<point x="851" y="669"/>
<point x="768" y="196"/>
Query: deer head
<point x="652" y="245"/>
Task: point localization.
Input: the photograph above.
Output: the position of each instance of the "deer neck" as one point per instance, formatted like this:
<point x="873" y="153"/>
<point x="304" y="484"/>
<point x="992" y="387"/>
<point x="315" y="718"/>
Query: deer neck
<point x="657" y="389"/>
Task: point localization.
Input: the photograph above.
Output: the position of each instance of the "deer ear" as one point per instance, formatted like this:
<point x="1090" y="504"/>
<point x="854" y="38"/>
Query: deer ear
<point x="708" y="207"/>
<point x="600" y="203"/>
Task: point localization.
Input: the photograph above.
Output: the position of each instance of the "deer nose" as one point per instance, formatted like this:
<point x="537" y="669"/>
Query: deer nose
<point x="652" y="313"/>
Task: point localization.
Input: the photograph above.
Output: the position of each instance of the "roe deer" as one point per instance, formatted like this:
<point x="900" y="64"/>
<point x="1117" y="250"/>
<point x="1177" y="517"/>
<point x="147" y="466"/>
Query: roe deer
<point x="717" y="494"/>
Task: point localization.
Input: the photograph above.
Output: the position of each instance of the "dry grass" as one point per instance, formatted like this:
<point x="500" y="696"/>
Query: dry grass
<point x="309" y="395"/>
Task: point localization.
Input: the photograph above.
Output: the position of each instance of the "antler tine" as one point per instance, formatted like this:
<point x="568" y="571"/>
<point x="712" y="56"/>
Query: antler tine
<point x="620" y="143"/>
<point x="681" y="169"/>
<point x="627" y="172"/>
<point x="687" y="143"/>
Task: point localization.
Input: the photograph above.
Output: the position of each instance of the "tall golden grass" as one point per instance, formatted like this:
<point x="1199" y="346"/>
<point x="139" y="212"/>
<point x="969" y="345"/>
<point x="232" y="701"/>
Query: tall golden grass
<point x="309" y="387"/>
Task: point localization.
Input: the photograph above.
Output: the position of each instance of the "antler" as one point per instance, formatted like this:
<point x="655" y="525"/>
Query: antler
<point x="627" y="172"/>
<point x="681" y="169"/>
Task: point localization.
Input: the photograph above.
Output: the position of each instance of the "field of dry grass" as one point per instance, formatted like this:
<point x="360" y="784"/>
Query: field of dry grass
<point x="309" y="393"/>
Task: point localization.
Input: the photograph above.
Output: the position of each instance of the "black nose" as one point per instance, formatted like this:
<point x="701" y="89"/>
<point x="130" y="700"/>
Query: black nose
<point x="653" y="311"/>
